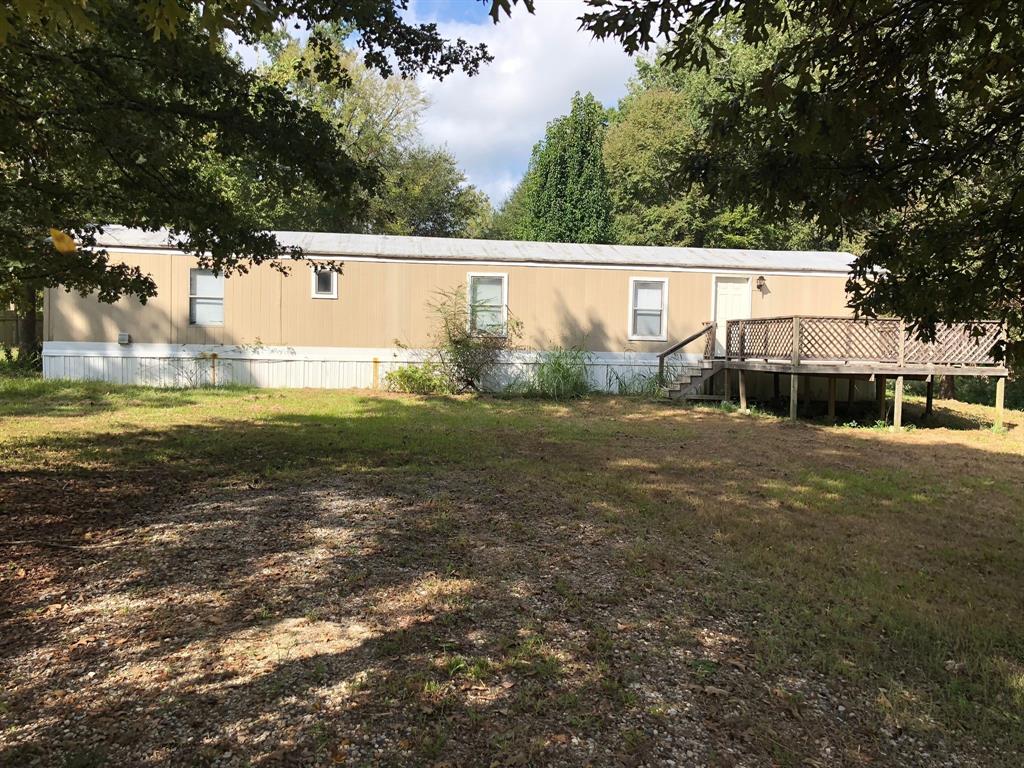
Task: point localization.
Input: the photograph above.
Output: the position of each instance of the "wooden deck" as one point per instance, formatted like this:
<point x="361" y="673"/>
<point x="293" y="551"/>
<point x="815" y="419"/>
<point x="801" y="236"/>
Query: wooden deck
<point x="845" y="347"/>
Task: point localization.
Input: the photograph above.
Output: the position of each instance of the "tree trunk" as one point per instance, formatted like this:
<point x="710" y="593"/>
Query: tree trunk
<point x="28" y="339"/>
<point x="947" y="388"/>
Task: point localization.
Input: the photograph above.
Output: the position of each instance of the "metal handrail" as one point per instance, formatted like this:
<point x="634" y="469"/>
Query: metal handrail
<point x="679" y="345"/>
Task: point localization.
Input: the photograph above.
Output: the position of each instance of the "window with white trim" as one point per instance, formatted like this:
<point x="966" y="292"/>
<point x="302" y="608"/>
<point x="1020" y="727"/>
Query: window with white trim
<point x="205" y="297"/>
<point x="325" y="284"/>
<point x="648" y="304"/>
<point x="488" y="300"/>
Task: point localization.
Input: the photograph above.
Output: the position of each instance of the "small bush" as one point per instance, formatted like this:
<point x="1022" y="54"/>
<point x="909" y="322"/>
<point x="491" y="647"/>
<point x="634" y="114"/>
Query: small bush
<point x="423" y="379"/>
<point x="14" y="364"/>
<point x="560" y="374"/>
<point x="464" y="356"/>
<point x="638" y="384"/>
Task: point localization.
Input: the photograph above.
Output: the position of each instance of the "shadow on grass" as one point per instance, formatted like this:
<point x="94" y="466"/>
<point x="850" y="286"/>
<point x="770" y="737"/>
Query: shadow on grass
<point x="865" y="414"/>
<point x="488" y="581"/>
<point x="33" y="396"/>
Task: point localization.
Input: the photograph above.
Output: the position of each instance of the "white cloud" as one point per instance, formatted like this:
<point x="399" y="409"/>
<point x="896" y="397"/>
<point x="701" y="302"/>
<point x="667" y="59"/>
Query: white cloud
<point x="491" y="121"/>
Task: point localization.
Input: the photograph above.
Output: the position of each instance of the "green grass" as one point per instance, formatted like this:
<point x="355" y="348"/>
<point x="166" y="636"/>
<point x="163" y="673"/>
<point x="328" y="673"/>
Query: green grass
<point x="890" y="563"/>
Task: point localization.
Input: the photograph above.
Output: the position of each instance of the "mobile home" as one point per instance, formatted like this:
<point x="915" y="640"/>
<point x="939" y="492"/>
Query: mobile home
<point x="323" y="328"/>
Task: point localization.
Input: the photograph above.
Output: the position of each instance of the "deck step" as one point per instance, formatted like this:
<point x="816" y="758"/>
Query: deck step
<point x="690" y="379"/>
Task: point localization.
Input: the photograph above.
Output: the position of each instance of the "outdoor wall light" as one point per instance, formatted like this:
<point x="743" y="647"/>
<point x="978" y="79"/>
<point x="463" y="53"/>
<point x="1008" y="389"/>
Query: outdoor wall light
<point x="124" y="338"/>
<point x="762" y="284"/>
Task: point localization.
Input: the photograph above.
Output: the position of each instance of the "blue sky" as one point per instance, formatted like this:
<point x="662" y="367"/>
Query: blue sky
<point x="490" y="122"/>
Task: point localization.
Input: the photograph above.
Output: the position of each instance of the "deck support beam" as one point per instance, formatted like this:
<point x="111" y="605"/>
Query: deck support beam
<point x="929" y="393"/>
<point x="897" y="404"/>
<point x="794" y="377"/>
<point x="742" y="375"/>
<point x="880" y="396"/>
<point x="1000" y="398"/>
<point x="832" y="399"/>
<point x="728" y="385"/>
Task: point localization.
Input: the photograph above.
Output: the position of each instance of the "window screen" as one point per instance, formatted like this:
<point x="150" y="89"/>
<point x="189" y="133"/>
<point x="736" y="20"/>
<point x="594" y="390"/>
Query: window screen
<point x="487" y="304"/>
<point x="648" y="308"/>
<point x="205" y="297"/>
<point x="324" y="282"/>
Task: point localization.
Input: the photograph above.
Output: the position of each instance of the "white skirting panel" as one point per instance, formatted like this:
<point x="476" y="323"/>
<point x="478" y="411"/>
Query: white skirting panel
<point x="169" y="365"/>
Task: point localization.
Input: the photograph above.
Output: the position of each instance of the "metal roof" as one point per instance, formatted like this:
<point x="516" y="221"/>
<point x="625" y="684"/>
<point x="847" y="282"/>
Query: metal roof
<point x="399" y="247"/>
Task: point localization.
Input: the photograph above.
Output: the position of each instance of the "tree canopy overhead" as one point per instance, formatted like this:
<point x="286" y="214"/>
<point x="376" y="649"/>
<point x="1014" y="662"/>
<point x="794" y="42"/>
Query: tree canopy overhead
<point x="388" y="42"/>
<point x="100" y="123"/>
<point x="900" y="118"/>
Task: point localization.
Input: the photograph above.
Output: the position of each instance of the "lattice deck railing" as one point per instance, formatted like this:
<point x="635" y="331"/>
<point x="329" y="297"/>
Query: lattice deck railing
<point x="845" y="339"/>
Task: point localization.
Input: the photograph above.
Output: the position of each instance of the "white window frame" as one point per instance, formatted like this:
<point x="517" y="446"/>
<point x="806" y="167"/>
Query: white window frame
<point x="633" y="336"/>
<point x="504" y="299"/>
<point x="192" y="296"/>
<point x="313" y="286"/>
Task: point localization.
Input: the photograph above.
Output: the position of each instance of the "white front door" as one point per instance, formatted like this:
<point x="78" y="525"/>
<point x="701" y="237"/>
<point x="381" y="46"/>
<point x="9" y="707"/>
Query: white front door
<point x="732" y="302"/>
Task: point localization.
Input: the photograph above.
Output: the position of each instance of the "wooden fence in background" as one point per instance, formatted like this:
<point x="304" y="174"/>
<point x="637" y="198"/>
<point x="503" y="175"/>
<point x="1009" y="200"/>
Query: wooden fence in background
<point x="9" y="328"/>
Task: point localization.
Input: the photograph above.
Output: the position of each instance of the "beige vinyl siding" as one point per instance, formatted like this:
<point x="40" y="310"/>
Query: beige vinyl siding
<point x="795" y="295"/>
<point x="380" y="304"/>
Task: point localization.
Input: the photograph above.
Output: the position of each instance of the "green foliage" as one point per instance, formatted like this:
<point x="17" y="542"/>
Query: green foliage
<point x="629" y="182"/>
<point x="425" y="193"/>
<point x="111" y="125"/>
<point x="568" y="191"/>
<point x="900" y="119"/>
<point x="512" y="219"/>
<point x="74" y="155"/>
<point x="13" y="363"/>
<point x="425" y="379"/>
<point x="464" y="357"/>
<point x="635" y="384"/>
<point x="560" y="374"/>
<point x="657" y="129"/>
<point x="416" y="190"/>
<point x="564" y="194"/>
<point x="982" y="390"/>
<point x="387" y="42"/>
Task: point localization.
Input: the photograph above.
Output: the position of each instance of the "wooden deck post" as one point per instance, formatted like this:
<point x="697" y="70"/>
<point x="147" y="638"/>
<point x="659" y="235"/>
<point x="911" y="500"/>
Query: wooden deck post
<point x="897" y="404"/>
<point x="929" y="392"/>
<point x="743" y="390"/>
<point x="794" y="393"/>
<point x="897" y="397"/>
<point x="851" y="389"/>
<point x="794" y="378"/>
<point x="776" y="394"/>
<point x="832" y="399"/>
<point x="1000" y="397"/>
<point x="880" y="395"/>
<point x="728" y="384"/>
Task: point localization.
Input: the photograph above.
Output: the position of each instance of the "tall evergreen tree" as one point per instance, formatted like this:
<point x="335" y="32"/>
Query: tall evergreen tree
<point x="568" y="198"/>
